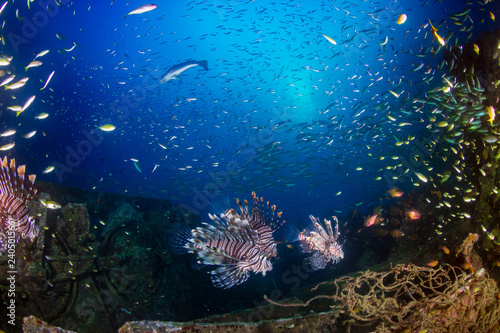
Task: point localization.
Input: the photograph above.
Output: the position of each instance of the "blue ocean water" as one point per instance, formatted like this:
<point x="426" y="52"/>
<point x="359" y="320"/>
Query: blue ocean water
<point x="313" y="126"/>
<point x="277" y="111"/>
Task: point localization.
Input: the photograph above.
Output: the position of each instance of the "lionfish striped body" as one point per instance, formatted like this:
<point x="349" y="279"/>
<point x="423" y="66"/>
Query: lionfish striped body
<point x="239" y="243"/>
<point x="14" y="195"/>
<point x="322" y="243"/>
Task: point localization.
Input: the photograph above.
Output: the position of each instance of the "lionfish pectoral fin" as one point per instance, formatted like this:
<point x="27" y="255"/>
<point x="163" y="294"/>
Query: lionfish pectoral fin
<point x="196" y="265"/>
<point x="179" y="238"/>
<point x="213" y="256"/>
<point x="228" y="276"/>
<point x="290" y="233"/>
<point x="317" y="261"/>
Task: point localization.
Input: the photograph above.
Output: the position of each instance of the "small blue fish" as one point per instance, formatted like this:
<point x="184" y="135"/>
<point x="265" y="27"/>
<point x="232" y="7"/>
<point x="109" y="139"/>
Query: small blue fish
<point x="137" y="166"/>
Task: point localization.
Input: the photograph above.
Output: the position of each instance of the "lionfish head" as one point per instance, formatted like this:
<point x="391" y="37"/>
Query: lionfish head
<point x="267" y="266"/>
<point x="31" y="230"/>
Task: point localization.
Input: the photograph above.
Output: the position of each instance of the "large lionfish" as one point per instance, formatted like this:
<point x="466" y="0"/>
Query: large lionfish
<point x="239" y="243"/>
<point x="322" y="243"/>
<point x="14" y="195"/>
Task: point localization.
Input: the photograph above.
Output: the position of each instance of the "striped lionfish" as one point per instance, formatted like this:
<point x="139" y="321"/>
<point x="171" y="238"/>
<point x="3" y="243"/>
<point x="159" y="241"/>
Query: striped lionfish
<point x="239" y="243"/>
<point x="14" y="195"/>
<point x="323" y="243"/>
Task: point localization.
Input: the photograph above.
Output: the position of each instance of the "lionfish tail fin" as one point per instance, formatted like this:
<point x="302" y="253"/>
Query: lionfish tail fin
<point x="228" y="276"/>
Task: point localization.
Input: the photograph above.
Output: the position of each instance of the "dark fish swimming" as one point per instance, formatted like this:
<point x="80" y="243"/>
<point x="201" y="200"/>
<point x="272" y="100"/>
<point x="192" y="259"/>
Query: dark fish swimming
<point x="14" y="196"/>
<point x="239" y="243"/>
<point x="176" y="70"/>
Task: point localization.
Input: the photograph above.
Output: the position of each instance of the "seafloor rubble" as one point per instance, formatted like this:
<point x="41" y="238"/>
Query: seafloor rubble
<point x="97" y="256"/>
<point x="402" y="298"/>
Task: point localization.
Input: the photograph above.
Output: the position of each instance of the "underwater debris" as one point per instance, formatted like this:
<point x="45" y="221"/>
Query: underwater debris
<point x="409" y="297"/>
<point x="467" y="244"/>
<point x="414" y="298"/>
<point x="323" y="243"/>
<point x="15" y="193"/>
<point x="239" y="243"/>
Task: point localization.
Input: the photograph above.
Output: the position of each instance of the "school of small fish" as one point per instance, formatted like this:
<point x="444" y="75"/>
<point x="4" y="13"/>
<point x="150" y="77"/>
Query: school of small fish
<point x="294" y="98"/>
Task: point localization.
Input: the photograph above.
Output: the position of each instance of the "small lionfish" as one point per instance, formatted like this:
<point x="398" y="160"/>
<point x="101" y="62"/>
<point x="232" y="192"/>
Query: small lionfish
<point x="14" y="195"/>
<point x="323" y="243"/>
<point x="239" y="243"/>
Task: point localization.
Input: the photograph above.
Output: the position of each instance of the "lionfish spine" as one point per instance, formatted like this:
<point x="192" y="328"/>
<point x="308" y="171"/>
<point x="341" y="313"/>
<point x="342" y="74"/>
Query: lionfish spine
<point x="15" y="192"/>
<point x="266" y="214"/>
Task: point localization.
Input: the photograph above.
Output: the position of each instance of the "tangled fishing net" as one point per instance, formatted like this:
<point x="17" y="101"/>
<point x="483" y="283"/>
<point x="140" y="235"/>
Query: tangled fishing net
<point x="410" y="298"/>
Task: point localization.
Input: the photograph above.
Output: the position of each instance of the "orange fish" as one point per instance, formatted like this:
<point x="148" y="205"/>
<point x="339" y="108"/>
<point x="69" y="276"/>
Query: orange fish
<point x="433" y="263"/>
<point x="439" y="39"/>
<point x="373" y="220"/>
<point x="445" y="249"/>
<point x="395" y="192"/>
<point x="402" y="19"/>
<point x="413" y="214"/>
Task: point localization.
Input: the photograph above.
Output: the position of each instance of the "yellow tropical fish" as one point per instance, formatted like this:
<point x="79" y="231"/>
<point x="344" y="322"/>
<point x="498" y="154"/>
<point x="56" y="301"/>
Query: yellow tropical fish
<point x="330" y="39"/>
<point x="439" y="39"/>
<point x="48" y="169"/>
<point x="42" y="116"/>
<point x="401" y="19"/>
<point x="34" y="63"/>
<point x="491" y="113"/>
<point x="8" y="133"/>
<point x="7" y="146"/>
<point x="421" y="177"/>
<point x="476" y="49"/>
<point x="395" y="94"/>
<point x="29" y="135"/>
<point x="18" y="84"/>
<point x="107" y="128"/>
<point x="50" y="204"/>
<point x="15" y="108"/>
